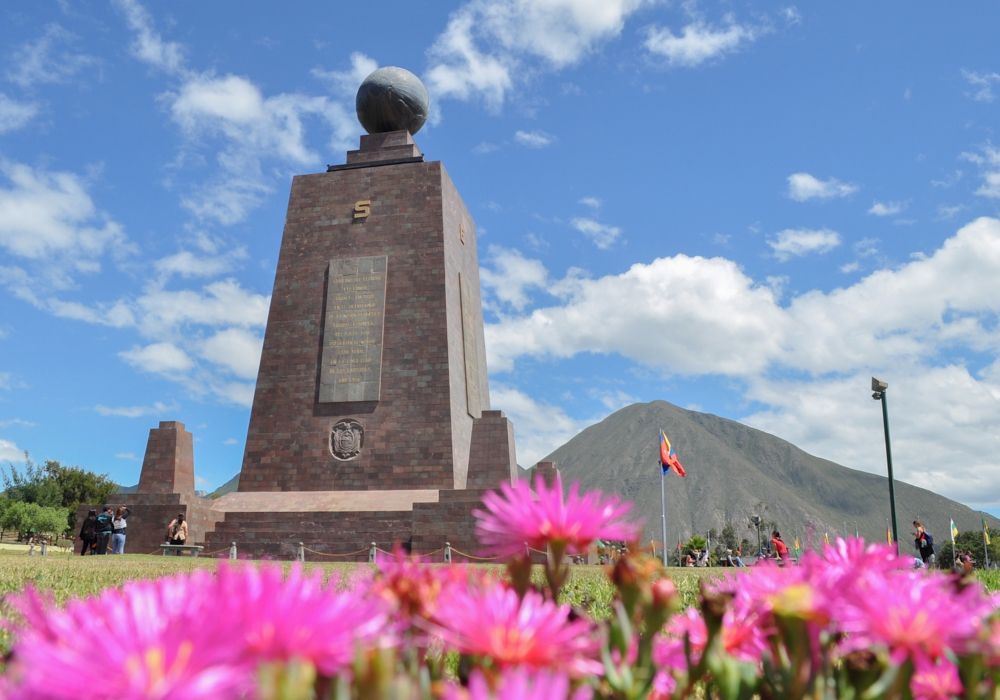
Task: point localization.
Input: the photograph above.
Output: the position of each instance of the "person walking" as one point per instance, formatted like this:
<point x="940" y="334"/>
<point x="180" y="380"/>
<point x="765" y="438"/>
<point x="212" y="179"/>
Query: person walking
<point x="780" y="548"/>
<point x="87" y="533"/>
<point x="924" y="542"/>
<point x="103" y="529"/>
<point x="177" y="531"/>
<point x="119" y="525"/>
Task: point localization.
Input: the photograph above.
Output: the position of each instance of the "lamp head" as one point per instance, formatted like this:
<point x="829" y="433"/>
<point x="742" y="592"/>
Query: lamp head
<point x="878" y="385"/>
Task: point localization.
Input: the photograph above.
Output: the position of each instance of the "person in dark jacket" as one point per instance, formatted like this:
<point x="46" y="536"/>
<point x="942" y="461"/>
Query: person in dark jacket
<point x="87" y="534"/>
<point x="103" y="529"/>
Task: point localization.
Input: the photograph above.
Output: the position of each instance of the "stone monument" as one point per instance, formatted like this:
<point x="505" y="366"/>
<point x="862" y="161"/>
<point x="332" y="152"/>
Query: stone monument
<point x="371" y="419"/>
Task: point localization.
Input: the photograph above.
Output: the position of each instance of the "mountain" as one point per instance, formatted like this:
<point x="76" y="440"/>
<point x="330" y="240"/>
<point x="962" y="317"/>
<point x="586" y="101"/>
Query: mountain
<point x="227" y="487"/>
<point x="731" y="468"/>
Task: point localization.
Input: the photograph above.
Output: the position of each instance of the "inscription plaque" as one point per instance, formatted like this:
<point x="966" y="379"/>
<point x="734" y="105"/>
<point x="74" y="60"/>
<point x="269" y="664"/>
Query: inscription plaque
<point x="471" y="342"/>
<point x="352" y="330"/>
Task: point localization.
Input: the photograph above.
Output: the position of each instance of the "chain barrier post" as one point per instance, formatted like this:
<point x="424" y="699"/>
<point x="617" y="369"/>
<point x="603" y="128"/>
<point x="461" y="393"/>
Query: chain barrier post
<point x="45" y="549"/>
<point x="301" y="554"/>
<point x="232" y="551"/>
<point x="371" y="554"/>
<point x="447" y="552"/>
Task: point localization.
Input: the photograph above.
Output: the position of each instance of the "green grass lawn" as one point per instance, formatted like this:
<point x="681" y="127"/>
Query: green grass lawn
<point x="66" y="576"/>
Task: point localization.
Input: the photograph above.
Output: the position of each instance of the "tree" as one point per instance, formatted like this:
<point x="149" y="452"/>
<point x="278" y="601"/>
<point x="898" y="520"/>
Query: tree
<point x="30" y="518"/>
<point x="971" y="540"/>
<point x="33" y="486"/>
<point x="57" y="486"/>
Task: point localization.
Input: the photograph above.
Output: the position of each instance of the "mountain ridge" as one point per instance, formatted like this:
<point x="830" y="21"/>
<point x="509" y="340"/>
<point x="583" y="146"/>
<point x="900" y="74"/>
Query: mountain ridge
<point x="730" y="468"/>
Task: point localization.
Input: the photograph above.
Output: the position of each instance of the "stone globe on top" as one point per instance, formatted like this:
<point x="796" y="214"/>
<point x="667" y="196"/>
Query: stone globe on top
<point x="392" y="99"/>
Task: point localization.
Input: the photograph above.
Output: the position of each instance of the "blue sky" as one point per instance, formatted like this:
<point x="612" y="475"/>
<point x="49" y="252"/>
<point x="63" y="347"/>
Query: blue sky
<point x="745" y="208"/>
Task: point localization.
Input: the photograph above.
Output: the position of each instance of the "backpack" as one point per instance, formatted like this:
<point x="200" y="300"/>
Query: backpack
<point x="928" y="541"/>
<point x="103" y="523"/>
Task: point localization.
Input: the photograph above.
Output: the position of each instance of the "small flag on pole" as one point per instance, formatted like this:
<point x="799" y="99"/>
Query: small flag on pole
<point x="668" y="458"/>
<point x="888" y="534"/>
<point x="986" y="533"/>
<point x="797" y="551"/>
<point x="954" y="530"/>
<point x="826" y="537"/>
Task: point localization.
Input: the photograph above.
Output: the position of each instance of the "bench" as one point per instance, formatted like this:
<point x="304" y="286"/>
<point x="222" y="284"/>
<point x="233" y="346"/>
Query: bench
<point x="193" y="548"/>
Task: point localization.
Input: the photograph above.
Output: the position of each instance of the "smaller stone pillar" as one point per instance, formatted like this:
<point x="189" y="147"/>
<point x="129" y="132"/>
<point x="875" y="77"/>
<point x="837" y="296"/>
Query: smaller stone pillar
<point x="168" y="466"/>
<point x="548" y="472"/>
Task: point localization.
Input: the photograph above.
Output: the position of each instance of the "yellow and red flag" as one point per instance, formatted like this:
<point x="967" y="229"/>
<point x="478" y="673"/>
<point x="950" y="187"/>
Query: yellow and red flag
<point x="668" y="458"/>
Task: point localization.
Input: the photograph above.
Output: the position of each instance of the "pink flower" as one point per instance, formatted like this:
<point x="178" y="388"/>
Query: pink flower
<point x="298" y="617"/>
<point x="514" y="517"/>
<point x="492" y="622"/>
<point x="148" y="640"/>
<point x="520" y="685"/>
<point x="935" y="681"/>
<point x="913" y="616"/>
<point x="668" y="647"/>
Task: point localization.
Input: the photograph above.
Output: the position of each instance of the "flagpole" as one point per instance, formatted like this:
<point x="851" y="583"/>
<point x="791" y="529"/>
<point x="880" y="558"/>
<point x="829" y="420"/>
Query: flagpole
<point x="663" y="513"/>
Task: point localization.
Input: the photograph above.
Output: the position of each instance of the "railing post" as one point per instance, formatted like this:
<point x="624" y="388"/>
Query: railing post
<point x="371" y="554"/>
<point x="301" y="556"/>
<point x="45" y="549"/>
<point x="232" y="551"/>
<point x="447" y="552"/>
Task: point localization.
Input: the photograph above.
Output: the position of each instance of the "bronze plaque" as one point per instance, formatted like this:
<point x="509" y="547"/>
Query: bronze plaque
<point x="352" y="330"/>
<point x="470" y="336"/>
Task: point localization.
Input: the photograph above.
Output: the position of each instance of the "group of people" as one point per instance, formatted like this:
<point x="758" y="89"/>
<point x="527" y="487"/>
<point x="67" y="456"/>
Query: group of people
<point x="777" y="549"/>
<point x="99" y="530"/>
<point x="108" y="527"/>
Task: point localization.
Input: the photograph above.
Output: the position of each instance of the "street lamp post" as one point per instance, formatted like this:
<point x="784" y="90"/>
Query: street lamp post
<point x="879" y="389"/>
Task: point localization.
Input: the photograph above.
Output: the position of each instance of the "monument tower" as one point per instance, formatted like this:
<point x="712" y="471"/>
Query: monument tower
<point x="371" y="413"/>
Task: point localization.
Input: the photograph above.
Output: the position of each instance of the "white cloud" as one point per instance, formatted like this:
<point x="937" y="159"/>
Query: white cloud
<point x="850" y="267"/>
<point x="188" y="264"/>
<point x="45" y="214"/>
<point x="127" y="455"/>
<point x="346" y="83"/>
<point x="14" y="114"/>
<point x="257" y="138"/>
<point x="886" y="209"/>
<point x="540" y="427"/>
<point x="488" y="43"/>
<point x="700" y="41"/>
<point x="803" y="186"/>
<point x="989" y="169"/>
<point x="984" y="82"/>
<point x="158" y="358"/>
<point x="512" y="275"/>
<point x="235" y="349"/>
<point x="792" y="14"/>
<point x="41" y="61"/>
<point x="229" y="441"/>
<point x="5" y="380"/>
<point x="592" y="202"/>
<point x="800" y="242"/>
<point x="602" y="235"/>
<point x="17" y="422"/>
<point x="138" y="411"/>
<point x="485" y="147"/>
<point x="534" y="139"/>
<point x="9" y="452"/>
<point x="148" y="46"/>
<point x="697" y="316"/>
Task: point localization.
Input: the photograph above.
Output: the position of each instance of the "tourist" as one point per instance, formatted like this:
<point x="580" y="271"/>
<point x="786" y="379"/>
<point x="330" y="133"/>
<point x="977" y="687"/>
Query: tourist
<point x="734" y="559"/>
<point x="924" y="542"/>
<point x="87" y="535"/>
<point x="103" y="529"/>
<point x="119" y="524"/>
<point x="689" y="561"/>
<point x="701" y="559"/>
<point x="177" y="531"/>
<point x="780" y="548"/>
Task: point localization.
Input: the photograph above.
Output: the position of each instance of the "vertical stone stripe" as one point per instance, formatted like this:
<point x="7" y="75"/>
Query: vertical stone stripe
<point x="471" y="341"/>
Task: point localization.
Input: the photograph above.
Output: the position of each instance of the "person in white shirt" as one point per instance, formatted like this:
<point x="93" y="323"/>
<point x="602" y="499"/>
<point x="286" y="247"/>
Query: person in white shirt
<point x="119" y="525"/>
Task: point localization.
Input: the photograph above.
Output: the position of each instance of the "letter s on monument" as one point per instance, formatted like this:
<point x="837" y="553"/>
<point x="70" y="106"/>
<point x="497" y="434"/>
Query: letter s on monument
<point x="362" y="209"/>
